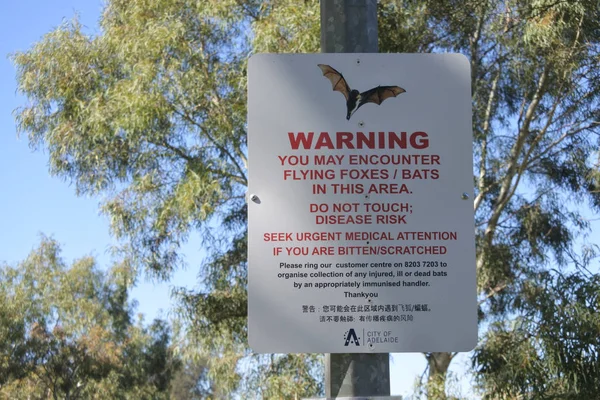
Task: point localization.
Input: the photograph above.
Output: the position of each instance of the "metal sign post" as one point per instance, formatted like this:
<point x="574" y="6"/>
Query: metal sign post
<point x="351" y="27"/>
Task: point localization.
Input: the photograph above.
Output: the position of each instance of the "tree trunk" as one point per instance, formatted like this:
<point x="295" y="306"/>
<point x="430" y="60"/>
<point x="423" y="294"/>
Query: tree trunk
<point x="436" y="381"/>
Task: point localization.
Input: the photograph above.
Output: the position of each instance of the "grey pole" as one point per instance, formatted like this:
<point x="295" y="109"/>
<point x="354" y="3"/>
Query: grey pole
<point x="350" y="26"/>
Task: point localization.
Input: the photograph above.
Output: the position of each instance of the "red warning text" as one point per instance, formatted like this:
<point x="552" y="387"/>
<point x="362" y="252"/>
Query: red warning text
<point x="358" y="140"/>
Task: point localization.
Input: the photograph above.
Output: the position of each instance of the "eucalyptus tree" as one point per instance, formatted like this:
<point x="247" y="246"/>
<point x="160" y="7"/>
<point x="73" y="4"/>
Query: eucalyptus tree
<point x="68" y="332"/>
<point x="550" y="350"/>
<point x="150" y="115"/>
<point x="535" y="120"/>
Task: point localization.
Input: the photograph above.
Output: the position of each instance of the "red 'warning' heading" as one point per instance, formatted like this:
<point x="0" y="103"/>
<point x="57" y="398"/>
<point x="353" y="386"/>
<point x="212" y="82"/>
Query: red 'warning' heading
<point x="358" y="140"/>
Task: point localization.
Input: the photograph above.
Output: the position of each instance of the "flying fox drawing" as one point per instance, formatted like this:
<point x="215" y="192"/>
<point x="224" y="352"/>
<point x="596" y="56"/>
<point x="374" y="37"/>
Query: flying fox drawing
<point x="354" y="98"/>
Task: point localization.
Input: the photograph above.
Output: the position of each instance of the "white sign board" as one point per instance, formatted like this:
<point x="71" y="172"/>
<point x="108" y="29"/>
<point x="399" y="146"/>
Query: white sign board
<point x="361" y="235"/>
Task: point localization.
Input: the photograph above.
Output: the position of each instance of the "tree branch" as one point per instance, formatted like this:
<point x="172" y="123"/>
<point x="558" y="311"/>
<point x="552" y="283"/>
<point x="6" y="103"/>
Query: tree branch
<point x="184" y="115"/>
<point x="191" y="160"/>
<point x="492" y="293"/>
<point x="506" y="187"/>
<point x="486" y="126"/>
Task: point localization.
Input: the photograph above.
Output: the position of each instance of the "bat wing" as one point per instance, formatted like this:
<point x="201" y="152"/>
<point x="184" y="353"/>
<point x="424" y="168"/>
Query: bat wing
<point x="379" y="94"/>
<point x="337" y="80"/>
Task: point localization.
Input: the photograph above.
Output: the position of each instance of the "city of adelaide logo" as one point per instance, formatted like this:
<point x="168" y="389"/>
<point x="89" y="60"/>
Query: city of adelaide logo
<point x="354" y="98"/>
<point x="351" y="338"/>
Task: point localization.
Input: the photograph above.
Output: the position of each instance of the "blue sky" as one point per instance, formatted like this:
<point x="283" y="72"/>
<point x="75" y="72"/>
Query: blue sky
<point x="33" y="202"/>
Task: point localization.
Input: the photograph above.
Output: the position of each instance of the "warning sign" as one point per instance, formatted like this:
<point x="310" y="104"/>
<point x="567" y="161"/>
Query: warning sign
<point x="361" y="230"/>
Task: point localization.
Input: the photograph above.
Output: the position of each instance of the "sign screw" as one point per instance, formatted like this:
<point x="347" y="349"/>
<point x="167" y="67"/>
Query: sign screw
<point x="465" y="196"/>
<point x="254" y="198"/>
<point x="361" y="124"/>
<point x="358" y="61"/>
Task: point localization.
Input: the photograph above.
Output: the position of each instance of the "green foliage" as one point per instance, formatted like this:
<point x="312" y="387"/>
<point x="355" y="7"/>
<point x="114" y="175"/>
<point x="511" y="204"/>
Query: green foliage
<point x="552" y="349"/>
<point x="67" y="333"/>
<point x="189" y="383"/>
<point x="287" y="26"/>
<point x="440" y="386"/>
<point x="150" y="114"/>
<point x="536" y="88"/>
<point x="404" y="27"/>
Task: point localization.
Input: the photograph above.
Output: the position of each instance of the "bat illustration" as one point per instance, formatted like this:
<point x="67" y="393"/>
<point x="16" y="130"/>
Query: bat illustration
<point x="354" y="98"/>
